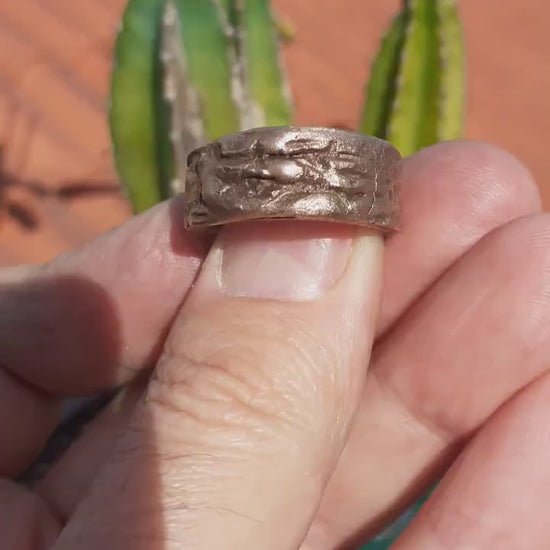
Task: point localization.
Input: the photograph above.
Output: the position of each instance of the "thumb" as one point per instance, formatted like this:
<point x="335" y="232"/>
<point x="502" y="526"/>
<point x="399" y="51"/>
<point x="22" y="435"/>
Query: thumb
<point x="251" y="402"/>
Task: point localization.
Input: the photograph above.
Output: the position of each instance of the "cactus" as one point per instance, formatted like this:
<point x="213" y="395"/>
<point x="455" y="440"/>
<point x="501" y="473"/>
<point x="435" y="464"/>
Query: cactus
<point x="136" y="131"/>
<point x="388" y="536"/>
<point x="415" y="96"/>
<point x="192" y="71"/>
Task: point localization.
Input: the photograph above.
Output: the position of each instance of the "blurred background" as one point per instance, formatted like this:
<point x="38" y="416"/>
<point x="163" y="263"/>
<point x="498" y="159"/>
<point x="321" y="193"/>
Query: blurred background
<point x="58" y="188"/>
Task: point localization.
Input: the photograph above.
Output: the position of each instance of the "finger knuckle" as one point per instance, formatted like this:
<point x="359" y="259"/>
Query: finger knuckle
<point x="507" y="180"/>
<point x="244" y="371"/>
<point x="488" y="185"/>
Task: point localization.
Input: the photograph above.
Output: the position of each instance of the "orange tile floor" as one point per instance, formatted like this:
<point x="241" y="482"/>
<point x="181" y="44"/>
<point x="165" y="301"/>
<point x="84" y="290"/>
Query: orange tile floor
<point x="54" y="75"/>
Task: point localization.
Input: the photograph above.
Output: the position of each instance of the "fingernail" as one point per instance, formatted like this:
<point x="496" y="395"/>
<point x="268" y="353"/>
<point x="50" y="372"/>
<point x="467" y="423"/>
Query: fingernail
<point x="283" y="260"/>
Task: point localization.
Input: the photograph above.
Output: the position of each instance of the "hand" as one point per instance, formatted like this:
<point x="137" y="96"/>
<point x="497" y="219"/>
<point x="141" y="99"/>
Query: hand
<point x="260" y="426"/>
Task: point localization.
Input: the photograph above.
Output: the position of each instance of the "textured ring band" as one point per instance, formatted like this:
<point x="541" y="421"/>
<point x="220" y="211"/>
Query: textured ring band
<point x="293" y="173"/>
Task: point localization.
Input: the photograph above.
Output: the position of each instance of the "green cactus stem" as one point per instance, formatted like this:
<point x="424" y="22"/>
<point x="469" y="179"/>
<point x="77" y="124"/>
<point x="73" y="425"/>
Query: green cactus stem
<point x="264" y="79"/>
<point x="187" y="72"/>
<point x="135" y="104"/>
<point x="415" y="96"/>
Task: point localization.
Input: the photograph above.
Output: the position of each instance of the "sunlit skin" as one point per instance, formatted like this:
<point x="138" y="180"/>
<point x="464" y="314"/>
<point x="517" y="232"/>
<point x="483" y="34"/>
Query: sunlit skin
<point x="262" y="426"/>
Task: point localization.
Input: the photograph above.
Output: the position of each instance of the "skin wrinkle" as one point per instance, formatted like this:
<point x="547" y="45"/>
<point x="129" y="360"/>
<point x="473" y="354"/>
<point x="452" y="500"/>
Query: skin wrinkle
<point x="208" y="394"/>
<point x="472" y="307"/>
<point x="240" y="356"/>
<point x="209" y="399"/>
<point x="414" y="417"/>
<point x="189" y="504"/>
<point x="249" y="402"/>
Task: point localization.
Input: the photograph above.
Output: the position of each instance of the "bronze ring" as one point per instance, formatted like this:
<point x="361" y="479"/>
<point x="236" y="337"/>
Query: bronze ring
<point x="293" y="173"/>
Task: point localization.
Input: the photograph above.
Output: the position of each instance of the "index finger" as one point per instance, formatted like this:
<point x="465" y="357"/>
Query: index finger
<point x="93" y="317"/>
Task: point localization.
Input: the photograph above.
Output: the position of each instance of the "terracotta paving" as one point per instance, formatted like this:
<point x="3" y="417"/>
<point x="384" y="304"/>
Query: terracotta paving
<point x="54" y="74"/>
